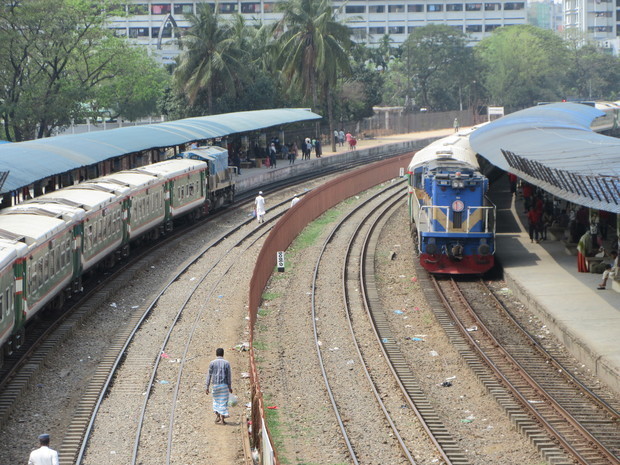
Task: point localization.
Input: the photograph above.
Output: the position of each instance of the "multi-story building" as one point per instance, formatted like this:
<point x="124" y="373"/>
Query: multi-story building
<point x="546" y="14"/>
<point x="153" y="22"/>
<point x="597" y="20"/>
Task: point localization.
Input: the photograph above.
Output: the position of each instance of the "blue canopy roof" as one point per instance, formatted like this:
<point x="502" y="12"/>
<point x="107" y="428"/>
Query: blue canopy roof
<point x="553" y="147"/>
<point x="30" y="161"/>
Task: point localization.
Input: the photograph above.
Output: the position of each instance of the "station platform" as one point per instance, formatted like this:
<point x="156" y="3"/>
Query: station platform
<point x="545" y="277"/>
<point x="542" y="275"/>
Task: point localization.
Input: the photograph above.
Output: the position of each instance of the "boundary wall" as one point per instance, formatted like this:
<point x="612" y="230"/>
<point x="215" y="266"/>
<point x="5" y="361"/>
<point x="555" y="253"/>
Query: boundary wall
<point x="310" y="207"/>
<point x="371" y="154"/>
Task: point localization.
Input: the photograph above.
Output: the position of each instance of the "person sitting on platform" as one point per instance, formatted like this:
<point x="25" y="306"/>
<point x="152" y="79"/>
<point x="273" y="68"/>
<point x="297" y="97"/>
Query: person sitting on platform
<point x="610" y="271"/>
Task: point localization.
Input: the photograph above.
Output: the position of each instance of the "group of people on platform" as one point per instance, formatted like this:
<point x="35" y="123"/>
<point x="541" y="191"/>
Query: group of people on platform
<point x="340" y="137"/>
<point x="588" y="229"/>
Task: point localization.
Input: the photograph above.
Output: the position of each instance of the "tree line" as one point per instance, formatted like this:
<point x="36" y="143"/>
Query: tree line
<point x="60" y="64"/>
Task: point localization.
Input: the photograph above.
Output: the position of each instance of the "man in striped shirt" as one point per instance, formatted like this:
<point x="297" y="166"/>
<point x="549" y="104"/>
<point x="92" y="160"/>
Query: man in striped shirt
<point x="220" y="375"/>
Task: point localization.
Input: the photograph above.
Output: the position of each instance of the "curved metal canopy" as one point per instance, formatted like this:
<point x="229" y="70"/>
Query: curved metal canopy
<point x="26" y="162"/>
<point x="553" y="147"/>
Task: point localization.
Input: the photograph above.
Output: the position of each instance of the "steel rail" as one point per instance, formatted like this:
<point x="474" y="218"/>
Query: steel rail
<point x="516" y="391"/>
<point x="561" y="368"/>
<point x="314" y="324"/>
<point x="346" y="265"/>
<point x="417" y="400"/>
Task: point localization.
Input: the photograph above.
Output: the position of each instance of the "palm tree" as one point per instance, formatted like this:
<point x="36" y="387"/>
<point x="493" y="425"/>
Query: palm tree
<point x="313" y="49"/>
<point x="212" y="59"/>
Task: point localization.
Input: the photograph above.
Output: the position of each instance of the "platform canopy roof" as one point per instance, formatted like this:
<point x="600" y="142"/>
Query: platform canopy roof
<point x="553" y="147"/>
<point x="23" y="163"/>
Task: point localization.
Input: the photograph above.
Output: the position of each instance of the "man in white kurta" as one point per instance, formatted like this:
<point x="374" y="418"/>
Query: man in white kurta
<point x="43" y="455"/>
<point x="259" y="204"/>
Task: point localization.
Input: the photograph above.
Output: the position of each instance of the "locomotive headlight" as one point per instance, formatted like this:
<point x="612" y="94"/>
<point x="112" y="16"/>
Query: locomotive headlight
<point x="458" y="184"/>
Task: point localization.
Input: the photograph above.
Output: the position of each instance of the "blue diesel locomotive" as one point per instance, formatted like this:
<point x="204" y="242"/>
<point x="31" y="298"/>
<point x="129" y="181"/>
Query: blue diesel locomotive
<point x="449" y="210"/>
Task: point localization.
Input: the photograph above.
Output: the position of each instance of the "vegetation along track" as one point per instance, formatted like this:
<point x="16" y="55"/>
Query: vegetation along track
<point x="380" y="390"/>
<point x="563" y="418"/>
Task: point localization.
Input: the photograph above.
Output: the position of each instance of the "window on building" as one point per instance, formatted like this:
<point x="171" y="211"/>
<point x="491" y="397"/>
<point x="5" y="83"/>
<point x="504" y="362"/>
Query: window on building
<point x="514" y="6"/>
<point x="355" y="9"/>
<point x="601" y="29"/>
<point x="473" y="28"/>
<point x="454" y="7"/>
<point x="116" y="9"/>
<point x="458" y="28"/>
<point x="376" y="30"/>
<point x="160" y="8"/>
<point x="138" y="9"/>
<point x="492" y="6"/>
<point x="268" y="7"/>
<point x="491" y="27"/>
<point x="618" y="17"/>
<point x="603" y="14"/>
<point x="183" y="8"/>
<point x="396" y="8"/>
<point x="250" y="8"/>
<point x="376" y="8"/>
<point x="119" y="32"/>
<point x="434" y="7"/>
<point x="415" y="8"/>
<point x="396" y="30"/>
<point x="473" y="6"/>
<point x="227" y="8"/>
<point x="135" y="32"/>
<point x="166" y="33"/>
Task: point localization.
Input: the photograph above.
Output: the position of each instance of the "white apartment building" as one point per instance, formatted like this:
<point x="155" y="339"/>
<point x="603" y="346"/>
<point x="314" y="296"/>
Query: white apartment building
<point x="597" y="20"/>
<point x="152" y="23"/>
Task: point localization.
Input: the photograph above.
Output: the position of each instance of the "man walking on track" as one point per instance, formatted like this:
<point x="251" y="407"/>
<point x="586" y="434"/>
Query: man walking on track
<point x="220" y="374"/>
<point x="259" y="206"/>
<point x="43" y="455"/>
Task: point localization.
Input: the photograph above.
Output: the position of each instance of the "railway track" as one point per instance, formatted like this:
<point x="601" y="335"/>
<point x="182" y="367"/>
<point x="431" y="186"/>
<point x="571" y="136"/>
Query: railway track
<point x="353" y="275"/>
<point x="76" y="439"/>
<point x="567" y="422"/>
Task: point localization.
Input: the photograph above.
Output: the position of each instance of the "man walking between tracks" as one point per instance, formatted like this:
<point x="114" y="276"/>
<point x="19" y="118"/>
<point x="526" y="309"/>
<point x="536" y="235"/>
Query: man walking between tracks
<point x="259" y="207"/>
<point x="220" y="374"/>
<point x="43" y="455"/>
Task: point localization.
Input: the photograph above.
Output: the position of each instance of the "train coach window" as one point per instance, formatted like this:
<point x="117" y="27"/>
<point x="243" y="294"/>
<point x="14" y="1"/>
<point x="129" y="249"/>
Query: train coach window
<point x="8" y="299"/>
<point x="190" y="190"/>
<point x="2" y="307"/>
<point x="52" y="262"/>
<point x="45" y="269"/>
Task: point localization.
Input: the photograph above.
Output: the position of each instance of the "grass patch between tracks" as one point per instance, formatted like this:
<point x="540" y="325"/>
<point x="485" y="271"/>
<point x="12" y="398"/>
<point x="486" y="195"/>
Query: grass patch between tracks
<point x="310" y="234"/>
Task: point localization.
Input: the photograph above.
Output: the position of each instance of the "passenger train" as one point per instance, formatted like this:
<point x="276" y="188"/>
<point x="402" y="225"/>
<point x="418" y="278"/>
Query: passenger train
<point x="48" y="243"/>
<point x="453" y="220"/>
